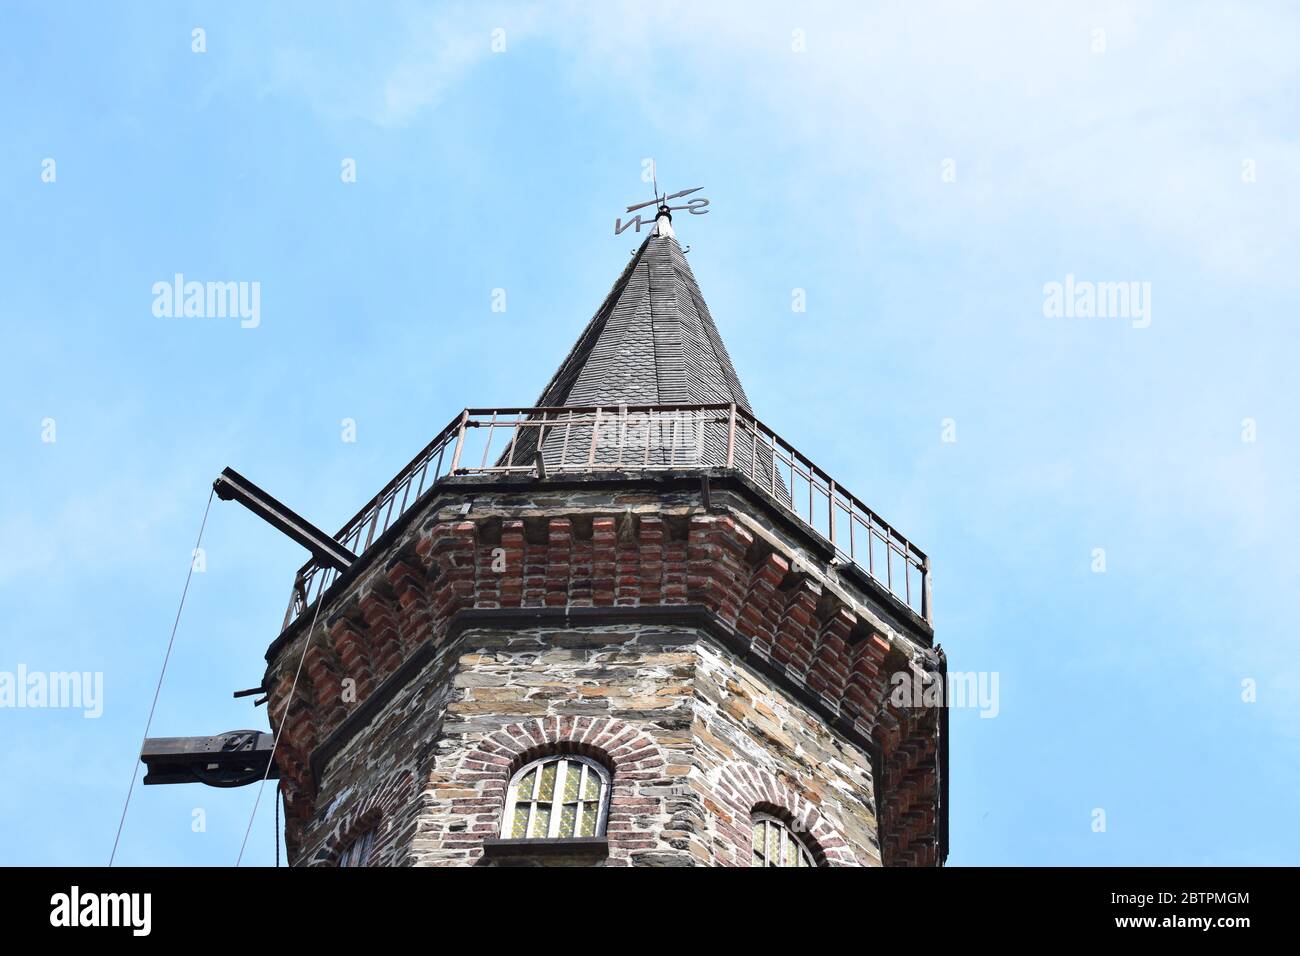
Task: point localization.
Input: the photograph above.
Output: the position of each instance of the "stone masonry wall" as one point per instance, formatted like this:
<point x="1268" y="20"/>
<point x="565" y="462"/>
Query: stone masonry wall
<point x="757" y="749"/>
<point x="621" y="695"/>
<point x="693" y="739"/>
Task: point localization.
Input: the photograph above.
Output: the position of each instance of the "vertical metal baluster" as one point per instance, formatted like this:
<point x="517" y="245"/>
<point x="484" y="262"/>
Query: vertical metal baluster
<point x="487" y="445"/>
<point x="542" y="437"/>
<point x="925" y="590"/>
<point x="388" y="518"/>
<point x="772" y="486"/>
<point x="889" y="561"/>
<point x="811" y="512"/>
<point x="622" y="432"/>
<point x="907" y="576"/>
<point x="595" y="430"/>
<point x="437" y="469"/>
<point x="406" y="491"/>
<point x="731" y="436"/>
<point x="510" y="449"/>
<point x="460" y="441"/>
<point x="290" y="611"/>
<point x="830" y="507"/>
<point x="871" y="550"/>
<point x="564" y="449"/>
<point x="790" y="462"/>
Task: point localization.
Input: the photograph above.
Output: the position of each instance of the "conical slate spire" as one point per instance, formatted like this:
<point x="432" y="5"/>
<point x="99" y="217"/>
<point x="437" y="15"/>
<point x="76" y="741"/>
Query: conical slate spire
<point x="652" y="342"/>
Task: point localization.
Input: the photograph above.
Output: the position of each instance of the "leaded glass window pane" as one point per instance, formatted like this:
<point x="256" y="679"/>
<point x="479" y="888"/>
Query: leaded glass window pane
<point x="591" y="788"/>
<point x="528" y="784"/>
<point x="541" y="821"/>
<point x="572" y="782"/>
<point x="548" y="782"/>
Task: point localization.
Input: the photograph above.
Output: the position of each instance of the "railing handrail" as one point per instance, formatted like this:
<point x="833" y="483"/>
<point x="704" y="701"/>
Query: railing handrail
<point x="395" y="482"/>
<point x="548" y="409"/>
<point x="736" y="420"/>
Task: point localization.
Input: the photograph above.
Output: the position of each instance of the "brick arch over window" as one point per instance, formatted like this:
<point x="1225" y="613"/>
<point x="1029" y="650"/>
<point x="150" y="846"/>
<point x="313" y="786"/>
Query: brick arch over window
<point x="744" y="790"/>
<point x="369" y="813"/>
<point x="631" y="756"/>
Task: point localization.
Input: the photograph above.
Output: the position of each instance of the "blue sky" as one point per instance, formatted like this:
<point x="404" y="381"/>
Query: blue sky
<point x="1164" y="150"/>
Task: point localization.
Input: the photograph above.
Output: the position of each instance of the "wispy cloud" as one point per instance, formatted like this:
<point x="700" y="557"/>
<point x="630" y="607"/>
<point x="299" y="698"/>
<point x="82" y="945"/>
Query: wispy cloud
<point x="428" y="51"/>
<point x="1148" y="134"/>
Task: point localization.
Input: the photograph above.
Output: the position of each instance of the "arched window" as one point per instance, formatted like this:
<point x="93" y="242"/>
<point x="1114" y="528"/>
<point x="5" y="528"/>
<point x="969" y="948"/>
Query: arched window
<point x="557" y="797"/>
<point x="775" y="845"/>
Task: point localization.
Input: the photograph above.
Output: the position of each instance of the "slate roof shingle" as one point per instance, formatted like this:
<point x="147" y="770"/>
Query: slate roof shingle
<point x="652" y="342"/>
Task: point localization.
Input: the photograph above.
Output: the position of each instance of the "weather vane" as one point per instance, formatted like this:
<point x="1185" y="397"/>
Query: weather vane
<point x="697" y="207"/>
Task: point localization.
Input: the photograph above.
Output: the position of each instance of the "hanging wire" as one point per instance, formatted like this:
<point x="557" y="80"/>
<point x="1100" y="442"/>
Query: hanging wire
<point x="306" y="645"/>
<point x="279" y="789"/>
<point x="135" y="763"/>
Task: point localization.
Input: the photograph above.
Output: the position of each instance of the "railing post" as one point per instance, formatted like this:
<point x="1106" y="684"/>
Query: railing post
<point x="542" y="435"/>
<point x="595" y="430"/>
<point x="830" y="508"/>
<point x="622" y="431"/>
<point x="772" y="486"/>
<point x="460" y="441"/>
<point x="294" y="597"/>
<point x="927" y="611"/>
<point x="731" y="436"/>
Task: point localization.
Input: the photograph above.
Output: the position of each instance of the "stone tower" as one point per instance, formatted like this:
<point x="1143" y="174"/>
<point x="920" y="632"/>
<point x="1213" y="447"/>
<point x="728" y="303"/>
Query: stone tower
<point x="627" y="626"/>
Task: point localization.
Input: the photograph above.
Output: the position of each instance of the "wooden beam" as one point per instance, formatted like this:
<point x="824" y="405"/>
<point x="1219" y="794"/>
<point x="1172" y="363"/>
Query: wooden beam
<point x="232" y="486"/>
<point x="232" y="759"/>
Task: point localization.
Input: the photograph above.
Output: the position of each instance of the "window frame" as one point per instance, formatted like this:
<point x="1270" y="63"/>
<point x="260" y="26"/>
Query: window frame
<point x="357" y="852"/>
<point x="556" y="803"/>
<point x="802" y="847"/>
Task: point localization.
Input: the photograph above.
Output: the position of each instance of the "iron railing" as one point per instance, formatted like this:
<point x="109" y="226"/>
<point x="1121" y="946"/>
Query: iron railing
<point x="634" y="438"/>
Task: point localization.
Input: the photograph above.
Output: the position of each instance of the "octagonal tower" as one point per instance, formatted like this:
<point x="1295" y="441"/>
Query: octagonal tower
<point x="629" y="625"/>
